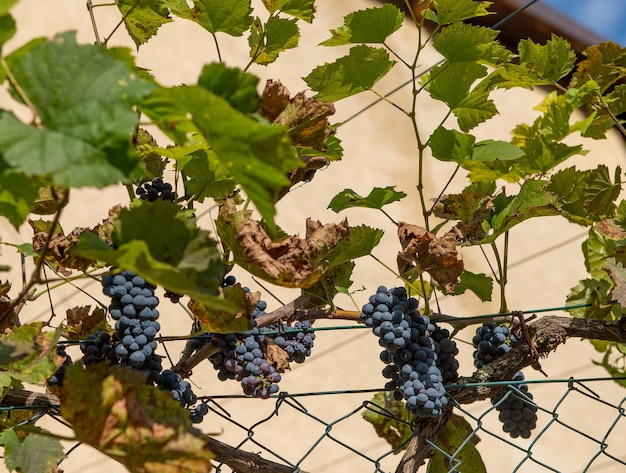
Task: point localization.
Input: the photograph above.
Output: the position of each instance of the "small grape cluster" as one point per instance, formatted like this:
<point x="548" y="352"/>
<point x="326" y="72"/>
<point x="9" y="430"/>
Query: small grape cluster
<point x="409" y="350"/>
<point x="156" y="189"/>
<point x="242" y="359"/>
<point x="98" y="347"/>
<point x="56" y="380"/>
<point x="133" y="307"/>
<point x="517" y="414"/>
<point x="492" y="342"/>
<point x="296" y="340"/>
<point x="183" y="394"/>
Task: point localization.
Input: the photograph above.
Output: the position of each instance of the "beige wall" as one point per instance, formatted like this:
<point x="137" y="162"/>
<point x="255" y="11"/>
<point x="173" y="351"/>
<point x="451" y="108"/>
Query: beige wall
<point x="379" y="151"/>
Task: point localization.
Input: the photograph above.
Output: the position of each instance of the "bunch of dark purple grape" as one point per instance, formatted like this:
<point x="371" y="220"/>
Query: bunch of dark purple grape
<point x="56" y="380"/>
<point x="517" y="412"/>
<point x="492" y="342"/>
<point x="409" y="350"/>
<point x="156" y="189"/>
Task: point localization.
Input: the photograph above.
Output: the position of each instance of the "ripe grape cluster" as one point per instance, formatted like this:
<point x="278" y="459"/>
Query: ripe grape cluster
<point x="156" y="189"/>
<point x="241" y="356"/>
<point x="183" y="394"/>
<point x="242" y="359"/>
<point x="492" y="342"/>
<point x="517" y="414"/>
<point x="133" y="307"/>
<point x="409" y="350"/>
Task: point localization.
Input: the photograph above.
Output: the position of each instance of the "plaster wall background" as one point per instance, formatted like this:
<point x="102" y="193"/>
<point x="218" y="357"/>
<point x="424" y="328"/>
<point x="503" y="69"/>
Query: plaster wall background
<point x="379" y="151"/>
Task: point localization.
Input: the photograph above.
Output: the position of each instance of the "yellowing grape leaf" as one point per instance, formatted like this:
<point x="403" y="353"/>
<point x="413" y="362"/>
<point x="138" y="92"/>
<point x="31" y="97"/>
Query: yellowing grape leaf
<point x="140" y="426"/>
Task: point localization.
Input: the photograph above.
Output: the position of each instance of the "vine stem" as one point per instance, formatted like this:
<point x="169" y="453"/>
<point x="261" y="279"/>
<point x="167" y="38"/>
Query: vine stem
<point x="36" y="275"/>
<point x="19" y="90"/>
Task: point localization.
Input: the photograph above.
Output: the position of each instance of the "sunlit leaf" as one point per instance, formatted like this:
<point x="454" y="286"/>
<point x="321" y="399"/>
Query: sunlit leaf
<point x="372" y="25"/>
<point x="232" y="17"/>
<point x="351" y="74"/>
<point x="478" y="42"/>
<point x="268" y="40"/>
<point x="479" y="284"/>
<point x="143" y="19"/>
<point x="376" y="199"/>
<point x="450" y="11"/>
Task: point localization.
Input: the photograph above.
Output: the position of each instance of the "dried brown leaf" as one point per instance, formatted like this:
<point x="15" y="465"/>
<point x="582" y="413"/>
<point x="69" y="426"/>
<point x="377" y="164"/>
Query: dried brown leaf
<point x="275" y="356"/>
<point x="306" y="118"/>
<point x="290" y="262"/>
<point x="610" y="229"/>
<point x="437" y="256"/>
<point x="81" y="323"/>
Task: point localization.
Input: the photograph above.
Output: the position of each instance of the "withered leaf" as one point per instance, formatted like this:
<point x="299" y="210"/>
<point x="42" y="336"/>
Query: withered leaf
<point x="225" y="322"/>
<point x="437" y="256"/>
<point x="306" y="118"/>
<point x="81" y="323"/>
<point x="290" y="262"/>
<point x="610" y="229"/>
<point x="59" y="250"/>
<point x="275" y="356"/>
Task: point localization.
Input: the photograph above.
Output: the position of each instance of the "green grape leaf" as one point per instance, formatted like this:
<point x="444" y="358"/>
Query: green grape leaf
<point x="38" y="364"/>
<point x="239" y="88"/>
<point x="474" y="109"/>
<point x="162" y="243"/>
<point x="605" y="64"/>
<point x="454" y="438"/>
<point x="138" y="425"/>
<point x="17" y="196"/>
<point x="606" y="241"/>
<point x="335" y="280"/>
<point x="549" y="62"/>
<point x="5" y="6"/>
<point x="268" y="40"/>
<point x="479" y="44"/>
<point x="451" y="145"/>
<point x="34" y="454"/>
<point x="85" y="101"/>
<point x="7" y="29"/>
<point x="360" y="242"/>
<point x="479" y="284"/>
<point x="232" y="17"/>
<point x="372" y="25"/>
<point x="257" y="155"/>
<point x="533" y="200"/>
<point x="463" y="206"/>
<point x="451" y="82"/>
<point x="491" y="150"/>
<point x="206" y="178"/>
<point x="376" y="199"/>
<point x="302" y="9"/>
<point x="390" y="419"/>
<point x="614" y="369"/>
<point x="586" y="196"/>
<point x="451" y="11"/>
<point x="351" y="74"/>
<point x="143" y="19"/>
<point x="593" y="298"/>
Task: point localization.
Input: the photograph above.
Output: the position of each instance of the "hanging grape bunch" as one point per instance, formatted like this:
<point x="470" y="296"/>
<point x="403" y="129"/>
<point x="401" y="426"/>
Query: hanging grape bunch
<point x="410" y="351"/>
<point x="241" y="356"/>
<point x="517" y="413"/>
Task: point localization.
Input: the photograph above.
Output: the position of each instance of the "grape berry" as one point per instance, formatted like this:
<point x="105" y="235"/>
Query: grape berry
<point x="156" y="189"/>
